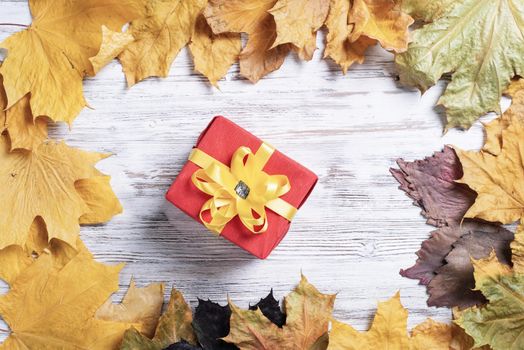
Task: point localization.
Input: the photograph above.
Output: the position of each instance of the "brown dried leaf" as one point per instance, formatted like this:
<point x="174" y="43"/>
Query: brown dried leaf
<point x="339" y="47"/>
<point x="431" y="183"/>
<point x="258" y="57"/>
<point x="454" y="285"/>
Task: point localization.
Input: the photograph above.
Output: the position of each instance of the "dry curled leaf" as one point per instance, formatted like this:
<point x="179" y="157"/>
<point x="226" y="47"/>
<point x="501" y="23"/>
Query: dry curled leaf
<point x="297" y="23"/>
<point x="480" y="43"/>
<point x="50" y="59"/>
<point x="50" y="171"/>
<point x="173" y="326"/>
<point x="159" y="36"/>
<point x="388" y="331"/>
<point x="258" y="57"/>
<point x="213" y="54"/>
<point x="308" y="314"/>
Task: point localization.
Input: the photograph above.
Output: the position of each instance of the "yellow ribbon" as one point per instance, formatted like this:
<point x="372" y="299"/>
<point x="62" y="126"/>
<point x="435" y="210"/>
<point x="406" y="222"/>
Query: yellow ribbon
<point x="243" y="189"/>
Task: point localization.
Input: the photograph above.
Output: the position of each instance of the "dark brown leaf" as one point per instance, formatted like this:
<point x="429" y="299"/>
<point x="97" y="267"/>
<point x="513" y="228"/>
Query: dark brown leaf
<point x="453" y="285"/>
<point x="271" y="309"/>
<point x="210" y="323"/>
<point x="431" y="184"/>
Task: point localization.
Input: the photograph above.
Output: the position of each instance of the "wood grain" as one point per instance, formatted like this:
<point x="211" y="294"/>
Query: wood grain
<point x="352" y="236"/>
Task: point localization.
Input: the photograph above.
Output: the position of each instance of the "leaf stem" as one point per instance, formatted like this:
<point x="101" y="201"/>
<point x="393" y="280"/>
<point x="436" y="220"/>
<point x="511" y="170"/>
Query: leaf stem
<point x="14" y="24"/>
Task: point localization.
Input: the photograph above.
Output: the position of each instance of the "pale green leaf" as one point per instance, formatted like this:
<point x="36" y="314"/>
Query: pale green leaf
<point x="427" y="10"/>
<point x="500" y="323"/>
<point x="482" y="43"/>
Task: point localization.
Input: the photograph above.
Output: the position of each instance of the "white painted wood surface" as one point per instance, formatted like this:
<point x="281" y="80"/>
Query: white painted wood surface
<point x="352" y="236"/>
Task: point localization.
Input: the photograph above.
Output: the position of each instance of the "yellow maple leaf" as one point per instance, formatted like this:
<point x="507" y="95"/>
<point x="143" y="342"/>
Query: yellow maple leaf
<point x="517" y="250"/>
<point x="353" y="27"/>
<point x="213" y="54"/>
<point x="53" y="299"/>
<point x="258" y="57"/>
<point x="102" y="204"/>
<point x="381" y="20"/>
<point x="38" y="240"/>
<point x="113" y="43"/>
<point x="14" y="259"/>
<point x="140" y="305"/>
<point x="514" y="87"/>
<point x="494" y="128"/>
<point x="388" y="331"/>
<point x="24" y="131"/>
<point x="97" y="194"/>
<point x="52" y="308"/>
<point x="159" y="36"/>
<point x="173" y="326"/>
<point x="339" y="47"/>
<point x="41" y="183"/>
<point x="297" y="23"/>
<point x="50" y="58"/>
<point x="496" y="173"/>
<point x="308" y="313"/>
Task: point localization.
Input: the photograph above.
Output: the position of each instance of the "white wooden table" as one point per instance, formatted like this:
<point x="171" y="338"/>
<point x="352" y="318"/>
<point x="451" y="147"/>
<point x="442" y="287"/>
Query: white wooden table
<point x="353" y="234"/>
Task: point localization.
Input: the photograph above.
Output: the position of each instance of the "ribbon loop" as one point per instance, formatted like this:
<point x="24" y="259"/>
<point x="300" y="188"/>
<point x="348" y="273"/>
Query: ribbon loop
<point x="243" y="189"/>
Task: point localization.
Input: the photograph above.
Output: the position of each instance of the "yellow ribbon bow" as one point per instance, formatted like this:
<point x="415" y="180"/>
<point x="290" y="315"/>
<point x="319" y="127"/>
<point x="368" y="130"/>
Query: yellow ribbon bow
<point x="243" y="189"/>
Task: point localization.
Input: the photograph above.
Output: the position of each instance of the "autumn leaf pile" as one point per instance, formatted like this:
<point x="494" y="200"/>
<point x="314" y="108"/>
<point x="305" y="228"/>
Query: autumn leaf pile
<point x="302" y="323"/>
<point x="60" y="297"/>
<point x="472" y="262"/>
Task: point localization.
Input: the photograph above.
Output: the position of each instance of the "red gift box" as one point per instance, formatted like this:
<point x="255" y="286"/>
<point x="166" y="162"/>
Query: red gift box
<point x="220" y="140"/>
